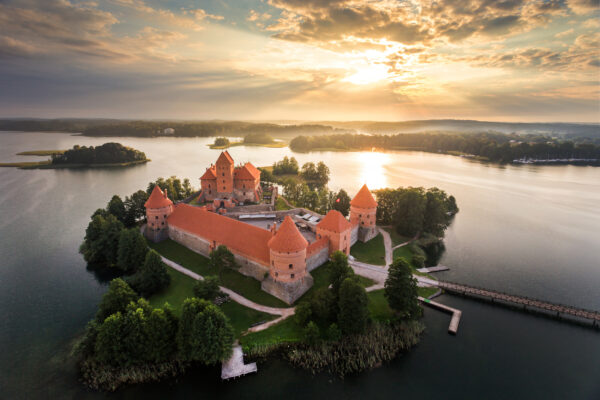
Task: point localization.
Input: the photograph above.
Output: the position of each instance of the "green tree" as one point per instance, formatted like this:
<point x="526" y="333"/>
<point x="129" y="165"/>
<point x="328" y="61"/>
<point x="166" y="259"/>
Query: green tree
<point x="204" y="334"/>
<point x="342" y="202"/>
<point x="109" y="347"/>
<point x="339" y="270"/>
<point x="132" y="250"/>
<point x="353" y="301"/>
<point x="333" y="333"/>
<point x="303" y="313"/>
<point x="221" y="258"/>
<point x="322" y="173"/>
<point x="117" y="208"/>
<point x="208" y="288"/>
<point x="101" y="241"/>
<point x="116" y="299"/>
<point x="311" y="333"/>
<point x="152" y="277"/>
<point x="401" y="290"/>
<point x="134" y="207"/>
<point x="161" y="329"/>
<point x="221" y="142"/>
<point x="323" y="305"/>
<point x="418" y="260"/>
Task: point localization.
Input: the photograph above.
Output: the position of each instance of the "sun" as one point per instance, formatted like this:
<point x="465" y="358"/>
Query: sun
<point x="368" y="74"/>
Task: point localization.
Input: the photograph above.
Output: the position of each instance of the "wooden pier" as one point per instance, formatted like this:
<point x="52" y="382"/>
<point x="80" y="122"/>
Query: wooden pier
<point x="523" y="302"/>
<point x="437" y="268"/>
<point x="456" y="314"/>
<point x="235" y="367"/>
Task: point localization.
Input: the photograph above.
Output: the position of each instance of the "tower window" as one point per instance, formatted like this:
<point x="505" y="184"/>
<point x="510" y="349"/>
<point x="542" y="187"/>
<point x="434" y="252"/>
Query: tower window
<point x="359" y="215"/>
<point x="276" y="273"/>
<point x="292" y="276"/>
<point x="165" y="216"/>
<point x="291" y="266"/>
<point x="223" y="173"/>
<point x="272" y="263"/>
<point x="156" y="217"/>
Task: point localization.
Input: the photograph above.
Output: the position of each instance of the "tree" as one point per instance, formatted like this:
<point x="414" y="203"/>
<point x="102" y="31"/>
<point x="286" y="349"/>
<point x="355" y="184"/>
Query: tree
<point x="401" y="290"/>
<point x="311" y="333"/>
<point x="117" y="208"/>
<point x="101" y="241"/>
<point x="221" y="258"/>
<point x="354" y="314"/>
<point x="132" y="251"/>
<point x="323" y="305"/>
<point x="116" y="299"/>
<point x="134" y="207"/>
<point x="109" y="346"/>
<point x="333" y="333"/>
<point x="339" y="270"/>
<point x="322" y="173"/>
<point x="161" y="329"/>
<point x="152" y="277"/>
<point x="207" y="289"/>
<point x="204" y="334"/>
<point x="221" y="142"/>
<point x="302" y="313"/>
<point x="342" y="202"/>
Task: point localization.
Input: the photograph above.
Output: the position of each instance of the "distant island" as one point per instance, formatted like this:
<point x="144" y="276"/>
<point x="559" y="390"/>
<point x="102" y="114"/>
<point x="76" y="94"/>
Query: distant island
<point x="495" y="147"/>
<point x="106" y="155"/>
<point x="252" y="139"/>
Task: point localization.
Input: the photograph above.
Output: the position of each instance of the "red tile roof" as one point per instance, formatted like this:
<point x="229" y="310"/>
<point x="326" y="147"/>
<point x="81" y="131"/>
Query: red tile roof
<point x="364" y="198"/>
<point x="210" y="173"/>
<point x="245" y="239"/>
<point x="248" y="171"/>
<point x="157" y="199"/>
<point x="287" y="238"/>
<point x="334" y="221"/>
<point x="225" y="157"/>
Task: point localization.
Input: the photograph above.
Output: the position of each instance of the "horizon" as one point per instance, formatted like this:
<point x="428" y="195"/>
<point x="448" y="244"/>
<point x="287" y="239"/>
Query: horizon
<point x="525" y="61"/>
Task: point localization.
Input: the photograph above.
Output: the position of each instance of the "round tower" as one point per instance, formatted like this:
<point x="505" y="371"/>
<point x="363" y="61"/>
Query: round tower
<point x="158" y="208"/>
<point x="363" y="211"/>
<point x="287" y="253"/>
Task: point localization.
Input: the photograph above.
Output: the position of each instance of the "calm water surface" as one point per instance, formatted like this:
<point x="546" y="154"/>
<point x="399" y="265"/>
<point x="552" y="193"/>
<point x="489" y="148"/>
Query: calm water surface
<point x="532" y="230"/>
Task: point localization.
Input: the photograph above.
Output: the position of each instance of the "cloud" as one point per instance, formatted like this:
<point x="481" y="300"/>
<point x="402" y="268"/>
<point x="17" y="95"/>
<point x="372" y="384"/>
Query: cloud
<point x="200" y="14"/>
<point x="584" y="6"/>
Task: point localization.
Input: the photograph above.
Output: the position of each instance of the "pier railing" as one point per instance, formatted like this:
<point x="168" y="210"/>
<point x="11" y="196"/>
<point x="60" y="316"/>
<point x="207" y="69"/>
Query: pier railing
<point x="523" y="301"/>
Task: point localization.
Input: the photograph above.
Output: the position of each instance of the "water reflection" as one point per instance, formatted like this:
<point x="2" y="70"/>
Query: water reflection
<point x="372" y="168"/>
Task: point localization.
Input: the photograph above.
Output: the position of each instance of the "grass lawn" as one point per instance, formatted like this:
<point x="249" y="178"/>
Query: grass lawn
<point x="182" y="287"/>
<point x="280" y="205"/>
<point x="396" y="237"/>
<point x="372" y="252"/>
<point x="286" y="331"/>
<point x="378" y="306"/>
<point x="427" y="291"/>
<point x="405" y="253"/>
<point x="244" y="285"/>
<point x="40" y="152"/>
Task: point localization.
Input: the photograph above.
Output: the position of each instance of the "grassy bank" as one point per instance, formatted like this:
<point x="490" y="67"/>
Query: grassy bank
<point x="371" y="252"/>
<point x="48" y="165"/>
<point x="244" y="285"/>
<point x="40" y="152"/>
<point x="233" y="144"/>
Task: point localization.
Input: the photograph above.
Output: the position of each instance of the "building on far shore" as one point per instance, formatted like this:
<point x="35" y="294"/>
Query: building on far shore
<point x="281" y="258"/>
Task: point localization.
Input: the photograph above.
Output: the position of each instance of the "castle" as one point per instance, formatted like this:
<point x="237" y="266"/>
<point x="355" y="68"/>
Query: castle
<point x="280" y="257"/>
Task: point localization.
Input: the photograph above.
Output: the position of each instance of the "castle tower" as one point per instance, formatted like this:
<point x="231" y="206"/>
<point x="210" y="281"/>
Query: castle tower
<point x="224" y="172"/>
<point x="288" y="278"/>
<point x="337" y="228"/>
<point x="363" y="211"/>
<point x="158" y="208"/>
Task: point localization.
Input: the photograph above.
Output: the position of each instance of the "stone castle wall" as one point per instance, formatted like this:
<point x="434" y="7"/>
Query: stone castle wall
<point x="317" y="258"/>
<point x="366" y="234"/>
<point x="353" y="234"/>
<point x="289" y="292"/>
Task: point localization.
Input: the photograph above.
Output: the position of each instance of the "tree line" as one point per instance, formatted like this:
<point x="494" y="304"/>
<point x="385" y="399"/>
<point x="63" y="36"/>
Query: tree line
<point x="495" y="147"/>
<point x="108" y="153"/>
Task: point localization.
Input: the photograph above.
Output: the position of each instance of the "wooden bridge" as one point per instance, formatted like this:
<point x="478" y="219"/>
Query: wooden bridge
<point x="522" y="301"/>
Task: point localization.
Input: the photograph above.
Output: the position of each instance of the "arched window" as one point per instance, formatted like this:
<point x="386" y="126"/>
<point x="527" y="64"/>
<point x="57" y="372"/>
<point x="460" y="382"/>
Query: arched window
<point x="292" y="276"/>
<point x="291" y="266"/>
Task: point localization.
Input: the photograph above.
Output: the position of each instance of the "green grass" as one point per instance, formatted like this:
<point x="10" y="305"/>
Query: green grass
<point x="286" y="331"/>
<point x="244" y="285"/>
<point x="396" y="237"/>
<point x="26" y="164"/>
<point x="233" y="144"/>
<point x="242" y="317"/>
<point x="371" y="252"/>
<point x="182" y="287"/>
<point x="427" y="291"/>
<point x="378" y="306"/>
<point x="280" y="205"/>
<point x="403" y="252"/>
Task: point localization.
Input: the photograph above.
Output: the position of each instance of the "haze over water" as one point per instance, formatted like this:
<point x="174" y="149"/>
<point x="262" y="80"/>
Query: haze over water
<point x="529" y="230"/>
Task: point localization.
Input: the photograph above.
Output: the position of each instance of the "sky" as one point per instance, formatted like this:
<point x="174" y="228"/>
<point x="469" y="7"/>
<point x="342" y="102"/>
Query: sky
<point x="387" y="60"/>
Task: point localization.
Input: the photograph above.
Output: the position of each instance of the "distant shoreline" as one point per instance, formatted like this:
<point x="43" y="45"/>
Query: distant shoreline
<point x="47" y="164"/>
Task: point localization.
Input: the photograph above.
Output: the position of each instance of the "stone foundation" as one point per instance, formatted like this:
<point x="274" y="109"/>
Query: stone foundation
<point x="353" y="235"/>
<point x="251" y="268"/>
<point x="366" y="234"/>
<point x="156" y="235"/>
<point x="318" y="258"/>
<point x="288" y="292"/>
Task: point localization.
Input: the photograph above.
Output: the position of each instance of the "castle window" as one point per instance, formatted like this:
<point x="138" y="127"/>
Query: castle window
<point x="223" y="187"/>
<point x="162" y="223"/>
<point x="292" y="276"/>
<point x="291" y="266"/>
<point x="276" y="273"/>
<point x="368" y="216"/>
<point x="272" y="263"/>
<point x="165" y="216"/>
<point x="359" y="215"/>
<point x="223" y="173"/>
<point x="153" y="224"/>
<point x="156" y="217"/>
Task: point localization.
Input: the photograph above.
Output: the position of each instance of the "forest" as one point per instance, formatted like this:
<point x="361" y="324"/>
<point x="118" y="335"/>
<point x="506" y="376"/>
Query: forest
<point x="495" y="147"/>
<point x="108" y="153"/>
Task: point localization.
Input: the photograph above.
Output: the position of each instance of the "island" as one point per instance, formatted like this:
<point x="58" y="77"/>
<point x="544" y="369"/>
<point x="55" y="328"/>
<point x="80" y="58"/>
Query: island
<point x="211" y="276"/>
<point x="252" y="139"/>
<point x="106" y="155"/>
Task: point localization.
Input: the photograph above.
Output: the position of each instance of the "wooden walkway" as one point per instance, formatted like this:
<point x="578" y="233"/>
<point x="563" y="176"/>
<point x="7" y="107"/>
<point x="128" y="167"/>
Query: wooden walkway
<point x="524" y="302"/>
<point x="235" y="367"/>
<point x="456" y="314"/>
<point x="437" y="268"/>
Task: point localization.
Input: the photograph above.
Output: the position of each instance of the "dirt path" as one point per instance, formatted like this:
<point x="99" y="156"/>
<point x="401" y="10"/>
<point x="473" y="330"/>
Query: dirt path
<point x="387" y="242"/>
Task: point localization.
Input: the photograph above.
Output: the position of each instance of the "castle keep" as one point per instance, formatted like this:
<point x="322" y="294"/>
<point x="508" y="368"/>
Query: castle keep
<point x="281" y="257"/>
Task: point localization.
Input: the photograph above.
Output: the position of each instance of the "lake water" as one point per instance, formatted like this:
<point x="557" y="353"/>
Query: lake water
<point x="531" y="230"/>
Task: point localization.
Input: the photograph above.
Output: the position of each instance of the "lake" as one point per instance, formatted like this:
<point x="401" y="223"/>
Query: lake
<point x="529" y="230"/>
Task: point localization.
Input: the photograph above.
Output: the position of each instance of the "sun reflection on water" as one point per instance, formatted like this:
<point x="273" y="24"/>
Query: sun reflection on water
<point x="372" y="168"/>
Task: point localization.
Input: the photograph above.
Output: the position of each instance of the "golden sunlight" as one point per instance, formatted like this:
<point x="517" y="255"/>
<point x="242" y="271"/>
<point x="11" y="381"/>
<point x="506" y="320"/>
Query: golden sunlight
<point x="372" y="168"/>
<point x="367" y="74"/>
